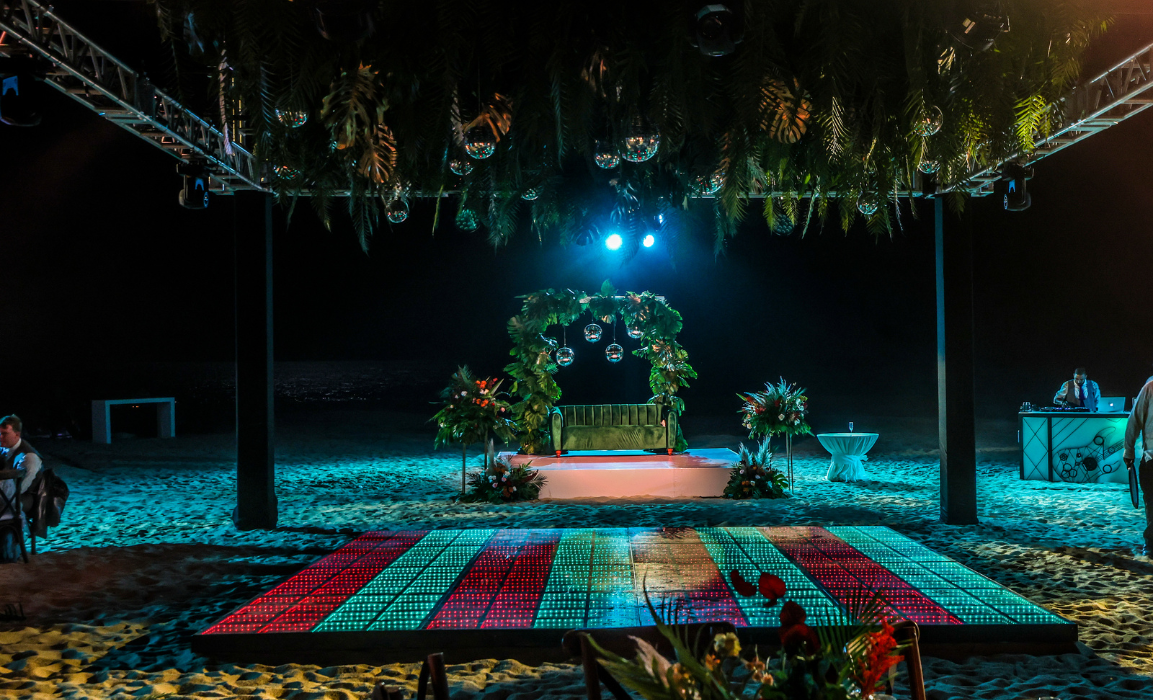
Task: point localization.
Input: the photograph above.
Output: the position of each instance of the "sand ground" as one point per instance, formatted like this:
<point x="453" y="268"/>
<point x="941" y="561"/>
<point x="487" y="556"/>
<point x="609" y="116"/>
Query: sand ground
<point x="148" y="556"/>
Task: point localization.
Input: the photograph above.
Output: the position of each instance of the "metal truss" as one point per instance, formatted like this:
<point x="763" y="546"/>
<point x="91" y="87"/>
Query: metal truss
<point x="94" y="78"/>
<point x="1119" y="93"/>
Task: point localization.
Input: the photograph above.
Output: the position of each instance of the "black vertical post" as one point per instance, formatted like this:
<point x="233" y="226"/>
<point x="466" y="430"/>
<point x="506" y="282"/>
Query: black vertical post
<point x="255" y="424"/>
<point x="955" y="369"/>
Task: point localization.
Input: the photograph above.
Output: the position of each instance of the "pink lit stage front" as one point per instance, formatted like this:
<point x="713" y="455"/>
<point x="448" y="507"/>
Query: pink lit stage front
<point x="695" y="473"/>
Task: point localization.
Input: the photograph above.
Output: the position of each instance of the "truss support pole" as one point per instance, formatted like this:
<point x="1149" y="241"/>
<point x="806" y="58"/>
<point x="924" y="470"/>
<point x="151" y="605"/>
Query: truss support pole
<point x="255" y="424"/>
<point x="955" y="368"/>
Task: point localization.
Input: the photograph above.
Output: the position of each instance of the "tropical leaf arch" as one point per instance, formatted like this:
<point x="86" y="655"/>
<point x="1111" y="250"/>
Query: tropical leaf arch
<point x="534" y="364"/>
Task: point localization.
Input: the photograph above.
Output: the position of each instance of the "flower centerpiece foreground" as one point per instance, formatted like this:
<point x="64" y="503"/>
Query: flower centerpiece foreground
<point x="835" y="662"/>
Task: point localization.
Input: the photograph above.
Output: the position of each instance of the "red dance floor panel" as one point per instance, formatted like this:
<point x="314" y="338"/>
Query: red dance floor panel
<point x="845" y="572"/>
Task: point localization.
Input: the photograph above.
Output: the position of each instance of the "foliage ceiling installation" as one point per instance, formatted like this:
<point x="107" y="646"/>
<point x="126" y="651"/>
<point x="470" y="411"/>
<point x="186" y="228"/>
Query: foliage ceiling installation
<point x="577" y="116"/>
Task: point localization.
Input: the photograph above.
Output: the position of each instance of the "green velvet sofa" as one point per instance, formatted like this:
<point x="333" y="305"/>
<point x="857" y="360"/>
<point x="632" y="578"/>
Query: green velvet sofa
<point x="616" y="426"/>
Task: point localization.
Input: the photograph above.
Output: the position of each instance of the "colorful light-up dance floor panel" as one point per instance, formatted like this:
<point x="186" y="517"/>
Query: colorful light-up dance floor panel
<point x="525" y="587"/>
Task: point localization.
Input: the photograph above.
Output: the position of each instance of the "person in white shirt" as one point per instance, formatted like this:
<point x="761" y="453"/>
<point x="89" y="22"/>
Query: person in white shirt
<point x="1141" y="421"/>
<point x="1078" y="391"/>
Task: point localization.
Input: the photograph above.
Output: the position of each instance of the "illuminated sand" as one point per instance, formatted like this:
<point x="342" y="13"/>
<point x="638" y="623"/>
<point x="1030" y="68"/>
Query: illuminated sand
<point x="136" y="572"/>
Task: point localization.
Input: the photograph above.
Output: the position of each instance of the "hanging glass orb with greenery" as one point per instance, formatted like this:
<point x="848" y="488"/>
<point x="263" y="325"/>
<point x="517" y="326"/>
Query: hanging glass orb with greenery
<point x="593" y="332"/>
<point x="529" y="194"/>
<point x="928" y="166"/>
<point x="292" y="118"/>
<point x="635" y="331"/>
<point x="460" y="166"/>
<point x="641" y="141"/>
<point x="565" y="356"/>
<point x="930" y="122"/>
<point x="285" y="172"/>
<point x="397" y="210"/>
<point x="708" y="185"/>
<point x="614" y="353"/>
<point x="605" y="155"/>
<point x="480" y="142"/>
<point x="868" y="203"/>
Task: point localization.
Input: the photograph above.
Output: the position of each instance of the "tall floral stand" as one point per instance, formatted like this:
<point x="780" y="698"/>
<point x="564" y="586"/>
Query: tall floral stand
<point x="789" y="458"/>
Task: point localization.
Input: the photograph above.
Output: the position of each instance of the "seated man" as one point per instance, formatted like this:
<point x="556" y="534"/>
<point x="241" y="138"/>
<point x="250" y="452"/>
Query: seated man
<point x="16" y="454"/>
<point x="1078" y="391"/>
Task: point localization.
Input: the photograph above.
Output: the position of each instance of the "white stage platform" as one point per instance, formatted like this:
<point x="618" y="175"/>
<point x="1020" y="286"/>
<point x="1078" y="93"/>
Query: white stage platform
<point x="628" y="474"/>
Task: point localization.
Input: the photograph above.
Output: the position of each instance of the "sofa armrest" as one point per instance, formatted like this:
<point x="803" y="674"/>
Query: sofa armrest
<point x="671" y="422"/>
<point x="556" y="423"/>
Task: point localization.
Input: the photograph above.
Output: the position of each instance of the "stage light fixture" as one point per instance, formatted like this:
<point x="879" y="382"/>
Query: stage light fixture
<point x="715" y="31"/>
<point x="648" y="240"/>
<point x="614" y="241"/>
<point x="1017" y="197"/>
<point x="19" y="92"/>
<point x="976" y="24"/>
<point x="194" y="193"/>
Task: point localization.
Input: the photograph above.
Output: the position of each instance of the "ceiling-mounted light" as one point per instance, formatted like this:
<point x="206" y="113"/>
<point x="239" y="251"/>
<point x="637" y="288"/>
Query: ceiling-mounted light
<point x="715" y="31"/>
<point x="1017" y="197"/>
<point x="614" y="241"/>
<point x="648" y="240"/>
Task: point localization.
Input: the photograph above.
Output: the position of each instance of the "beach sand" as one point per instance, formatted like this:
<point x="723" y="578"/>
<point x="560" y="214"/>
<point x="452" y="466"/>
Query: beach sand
<point x="148" y="556"/>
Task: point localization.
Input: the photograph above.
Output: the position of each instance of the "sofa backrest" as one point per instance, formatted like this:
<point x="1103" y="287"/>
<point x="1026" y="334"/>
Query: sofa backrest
<point x="612" y="414"/>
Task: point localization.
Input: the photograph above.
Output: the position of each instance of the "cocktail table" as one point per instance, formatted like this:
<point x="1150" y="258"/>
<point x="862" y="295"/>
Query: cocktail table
<point x="848" y="451"/>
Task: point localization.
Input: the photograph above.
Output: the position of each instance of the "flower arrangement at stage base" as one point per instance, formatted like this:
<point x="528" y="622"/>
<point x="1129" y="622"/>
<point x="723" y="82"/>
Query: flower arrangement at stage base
<point x="780" y="409"/>
<point x="834" y="662"/>
<point x="503" y="482"/>
<point x="473" y="410"/>
<point x="753" y="476"/>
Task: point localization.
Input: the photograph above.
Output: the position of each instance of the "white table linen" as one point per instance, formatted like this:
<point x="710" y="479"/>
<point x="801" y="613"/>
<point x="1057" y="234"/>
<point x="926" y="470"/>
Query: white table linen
<point x="848" y="451"/>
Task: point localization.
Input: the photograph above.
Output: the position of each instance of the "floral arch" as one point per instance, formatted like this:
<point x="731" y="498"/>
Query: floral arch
<point x="534" y="363"/>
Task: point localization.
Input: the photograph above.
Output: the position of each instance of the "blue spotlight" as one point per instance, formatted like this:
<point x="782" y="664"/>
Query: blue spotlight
<point x="613" y="242"/>
<point x="648" y="241"/>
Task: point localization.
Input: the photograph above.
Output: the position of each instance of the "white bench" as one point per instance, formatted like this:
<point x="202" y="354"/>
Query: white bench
<point x="102" y="417"/>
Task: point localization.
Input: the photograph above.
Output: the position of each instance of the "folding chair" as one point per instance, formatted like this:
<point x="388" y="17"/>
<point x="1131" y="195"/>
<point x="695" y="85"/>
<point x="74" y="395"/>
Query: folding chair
<point x="11" y="519"/>
<point x="616" y="640"/>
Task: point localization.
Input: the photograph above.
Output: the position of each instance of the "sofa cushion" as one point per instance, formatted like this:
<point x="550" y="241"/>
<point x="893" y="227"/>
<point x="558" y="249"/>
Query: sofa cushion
<point x="620" y="437"/>
<point x="646" y="414"/>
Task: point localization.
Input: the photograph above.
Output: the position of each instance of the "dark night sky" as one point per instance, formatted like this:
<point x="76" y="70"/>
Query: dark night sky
<point x="102" y="267"/>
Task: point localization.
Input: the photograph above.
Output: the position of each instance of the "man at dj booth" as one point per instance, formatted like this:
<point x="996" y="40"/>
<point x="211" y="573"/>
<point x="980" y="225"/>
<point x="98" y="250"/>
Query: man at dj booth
<point x="1080" y="391"/>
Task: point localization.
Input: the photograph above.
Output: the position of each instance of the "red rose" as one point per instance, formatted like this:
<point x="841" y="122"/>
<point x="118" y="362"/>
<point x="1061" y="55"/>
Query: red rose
<point x="792" y="614"/>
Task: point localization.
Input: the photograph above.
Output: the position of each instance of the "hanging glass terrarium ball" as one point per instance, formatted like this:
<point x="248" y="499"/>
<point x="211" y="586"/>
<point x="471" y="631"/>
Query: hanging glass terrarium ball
<point x="467" y="220"/>
<point x="285" y="172"/>
<point x="928" y="166"/>
<point x="292" y="118"/>
<point x="708" y="185"/>
<point x="480" y="142"/>
<point x="614" y="353"/>
<point x="565" y="356"/>
<point x="868" y="203"/>
<point x="930" y="122"/>
<point x="635" y="331"/>
<point x="397" y="210"/>
<point x="530" y="194"/>
<point x="605" y="155"/>
<point x="641" y="142"/>
<point x="460" y="166"/>
<point x="592" y="332"/>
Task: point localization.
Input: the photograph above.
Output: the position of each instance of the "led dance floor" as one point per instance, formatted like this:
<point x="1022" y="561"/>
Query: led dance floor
<point x="497" y="591"/>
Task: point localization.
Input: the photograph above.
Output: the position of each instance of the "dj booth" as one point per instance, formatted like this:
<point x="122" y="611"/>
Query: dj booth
<point x="1074" y="446"/>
